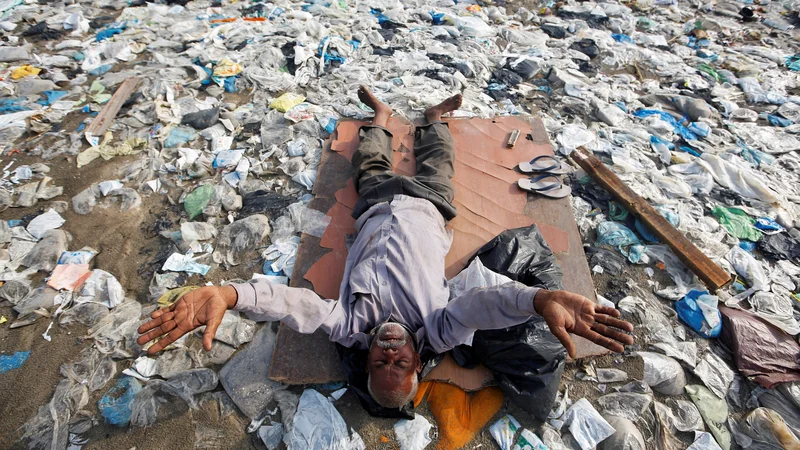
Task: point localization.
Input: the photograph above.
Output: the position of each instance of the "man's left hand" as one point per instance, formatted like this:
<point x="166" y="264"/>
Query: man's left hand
<point x="566" y="313"/>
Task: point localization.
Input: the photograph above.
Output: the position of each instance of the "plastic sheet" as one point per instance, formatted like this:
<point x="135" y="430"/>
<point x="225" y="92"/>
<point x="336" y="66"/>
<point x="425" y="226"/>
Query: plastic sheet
<point x="628" y="405"/>
<point x="662" y="373"/>
<point x="115" y="405"/>
<point x="715" y="374"/>
<point x="766" y="425"/>
<point x="626" y="436"/>
<point x="244" y="377"/>
<point x="238" y="239"/>
<point x="413" y="434"/>
<point x="699" y="310"/>
<point x="714" y="411"/>
<point x="586" y="425"/>
<point x="761" y="351"/>
<point x="318" y="426"/>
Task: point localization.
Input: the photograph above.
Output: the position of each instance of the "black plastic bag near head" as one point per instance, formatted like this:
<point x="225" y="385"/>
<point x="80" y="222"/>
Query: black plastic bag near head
<point x="527" y="360"/>
<point x="522" y="255"/>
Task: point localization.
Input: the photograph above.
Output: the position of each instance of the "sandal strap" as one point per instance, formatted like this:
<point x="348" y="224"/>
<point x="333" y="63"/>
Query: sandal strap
<point x="555" y="164"/>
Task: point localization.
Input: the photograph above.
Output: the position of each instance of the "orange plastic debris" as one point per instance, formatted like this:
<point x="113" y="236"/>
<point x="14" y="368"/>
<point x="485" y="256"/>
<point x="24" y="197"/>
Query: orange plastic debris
<point x="384" y="439"/>
<point x="473" y="8"/>
<point x="225" y="20"/>
<point x="255" y="19"/>
<point x="459" y="415"/>
<point x="661" y="265"/>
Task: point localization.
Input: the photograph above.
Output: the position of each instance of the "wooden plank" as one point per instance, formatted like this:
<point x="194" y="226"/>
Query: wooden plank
<point x="109" y="112"/>
<point x="711" y="274"/>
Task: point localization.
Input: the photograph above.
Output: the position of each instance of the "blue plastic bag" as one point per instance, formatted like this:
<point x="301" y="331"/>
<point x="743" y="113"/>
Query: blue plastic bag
<point x="179" y="136"/>
<point x="666" y="117"/>
<point x="51" y="97"/>
<point x="778" y="121"/>
<point x="107" y="33"/>
<point x="15" y="361"/>
<point x="115" y="405"/>
<point x="623" y="38"/>
<point x="671" y="217"/>
<point x="615" y="234"/>
<point x="767" y="224"/>
<point x="699" y="310"/>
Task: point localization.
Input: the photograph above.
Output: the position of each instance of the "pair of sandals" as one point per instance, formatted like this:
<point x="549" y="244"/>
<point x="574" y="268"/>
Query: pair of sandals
<point x="547" y="183"/>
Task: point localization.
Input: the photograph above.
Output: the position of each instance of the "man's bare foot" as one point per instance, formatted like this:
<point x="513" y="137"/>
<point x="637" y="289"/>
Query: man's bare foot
<point x="434" y="113"/>
<point x="382" y="110"/>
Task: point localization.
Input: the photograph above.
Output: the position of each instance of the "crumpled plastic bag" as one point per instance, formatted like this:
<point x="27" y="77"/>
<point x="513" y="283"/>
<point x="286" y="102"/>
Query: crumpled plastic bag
<point x="663" y="374"/>
<point x="737" y="223"/>
<point x="317" y="425"/>
<point x="714" y="411"/>
<point x="762" y="352"/>
<point x="244" y="377"/>
<point x="413" y="434"/>
<point x="766" y="425"/>
<point x="626" y="436"/>
<point x="287" y="101"/>
<point x="586" y="425"/>
<point x="148" y="404"/>
<point x="715" y="373"/>
<point x="237" y="240"/>
<point x="628" y="405"/>
<point x="699" y="310"/>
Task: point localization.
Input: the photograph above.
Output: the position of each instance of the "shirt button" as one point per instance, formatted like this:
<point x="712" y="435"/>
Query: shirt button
<point x="383" y="283"/>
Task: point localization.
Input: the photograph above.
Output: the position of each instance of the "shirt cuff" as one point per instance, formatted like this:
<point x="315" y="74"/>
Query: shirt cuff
<point x="525" y="300"/>
<point x="246" y="297"/>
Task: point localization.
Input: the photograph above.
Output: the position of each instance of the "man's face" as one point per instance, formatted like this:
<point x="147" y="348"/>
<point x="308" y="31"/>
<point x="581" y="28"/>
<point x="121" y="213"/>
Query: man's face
<point x="392" y="361"/>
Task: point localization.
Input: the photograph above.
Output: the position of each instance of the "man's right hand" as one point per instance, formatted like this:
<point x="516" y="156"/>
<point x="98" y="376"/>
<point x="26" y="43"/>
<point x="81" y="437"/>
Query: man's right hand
<point x="204" y="306"/>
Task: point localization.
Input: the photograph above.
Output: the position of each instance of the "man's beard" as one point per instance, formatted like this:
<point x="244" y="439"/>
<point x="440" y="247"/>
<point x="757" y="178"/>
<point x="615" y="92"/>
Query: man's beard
<point x="391" y="335"/>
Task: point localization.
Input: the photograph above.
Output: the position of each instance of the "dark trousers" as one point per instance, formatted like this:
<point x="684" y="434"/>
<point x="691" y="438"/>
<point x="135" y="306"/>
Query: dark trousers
<point x="376" y="182"/>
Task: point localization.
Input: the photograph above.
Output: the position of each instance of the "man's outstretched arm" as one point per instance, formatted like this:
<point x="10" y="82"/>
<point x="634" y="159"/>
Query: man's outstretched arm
<point x="511" y="304"/>
<point x="300" y="309"/>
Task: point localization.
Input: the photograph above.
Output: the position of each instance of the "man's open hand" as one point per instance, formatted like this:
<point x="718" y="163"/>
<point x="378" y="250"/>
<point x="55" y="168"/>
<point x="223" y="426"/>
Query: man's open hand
<point x="204" y="306"/>
<point x="566" y="313"/>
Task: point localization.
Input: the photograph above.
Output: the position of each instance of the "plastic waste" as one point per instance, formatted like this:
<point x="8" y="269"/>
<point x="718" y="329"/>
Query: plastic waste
<point x="626" y="436"/>
<point x="178" y="262"/>
<point x="611" y="375"/>
<point x="737" y="223"/>
<point x="780" y="246"/>
<point x="44" y="222"/>
<point x="201" y="120"/>
<point x="703" y="441"/>
<point x="271" y="435"/>
<point x="413" y="434"/>
<point x="237" y="240"/>
<point x="715" y="374"/>
<point x="747" y="336"/>
<point x="13" y="361"/>
<point x="663" y="374"/>
<point x="244" y="376"/>
<point x="44" y="255"/>
<point x="197" y="200"/>
<point x="115" y="405"/>
<point x="586" y="425"/>
<point x="615" y="234"/>
<point x="287" y="101"/>
<point x="698" y="309"/>
<point x="628" y="405"/>
<point x="101" y="287"/>
<point x="157" y="396"/>
<point x="714" y="411"/>
<point x="748" y="268"/>
<point x="318" y="426"/>
<point x="235" y="330"/>
<point x="766" y="425"/>
<point x="684" y="415"/>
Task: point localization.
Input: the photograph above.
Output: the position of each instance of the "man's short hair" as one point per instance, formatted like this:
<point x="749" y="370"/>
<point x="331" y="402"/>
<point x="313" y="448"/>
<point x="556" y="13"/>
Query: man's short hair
<point x="394" y="399"/>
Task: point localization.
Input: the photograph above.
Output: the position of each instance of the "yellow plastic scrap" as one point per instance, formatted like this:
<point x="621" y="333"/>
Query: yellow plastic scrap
<point x="3" y="320"/>
<point x="459" y="415"/>
<point x="25" y="71"/>
<point x="106" y="151"/>
<point x="287" y="101"/>
<point x="227" y="68"/>
<point x="173" y="295"/>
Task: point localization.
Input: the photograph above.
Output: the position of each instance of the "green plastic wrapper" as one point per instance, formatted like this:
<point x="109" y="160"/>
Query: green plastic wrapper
<point x="737" y="223"/>
<point x="197" y="200"/>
